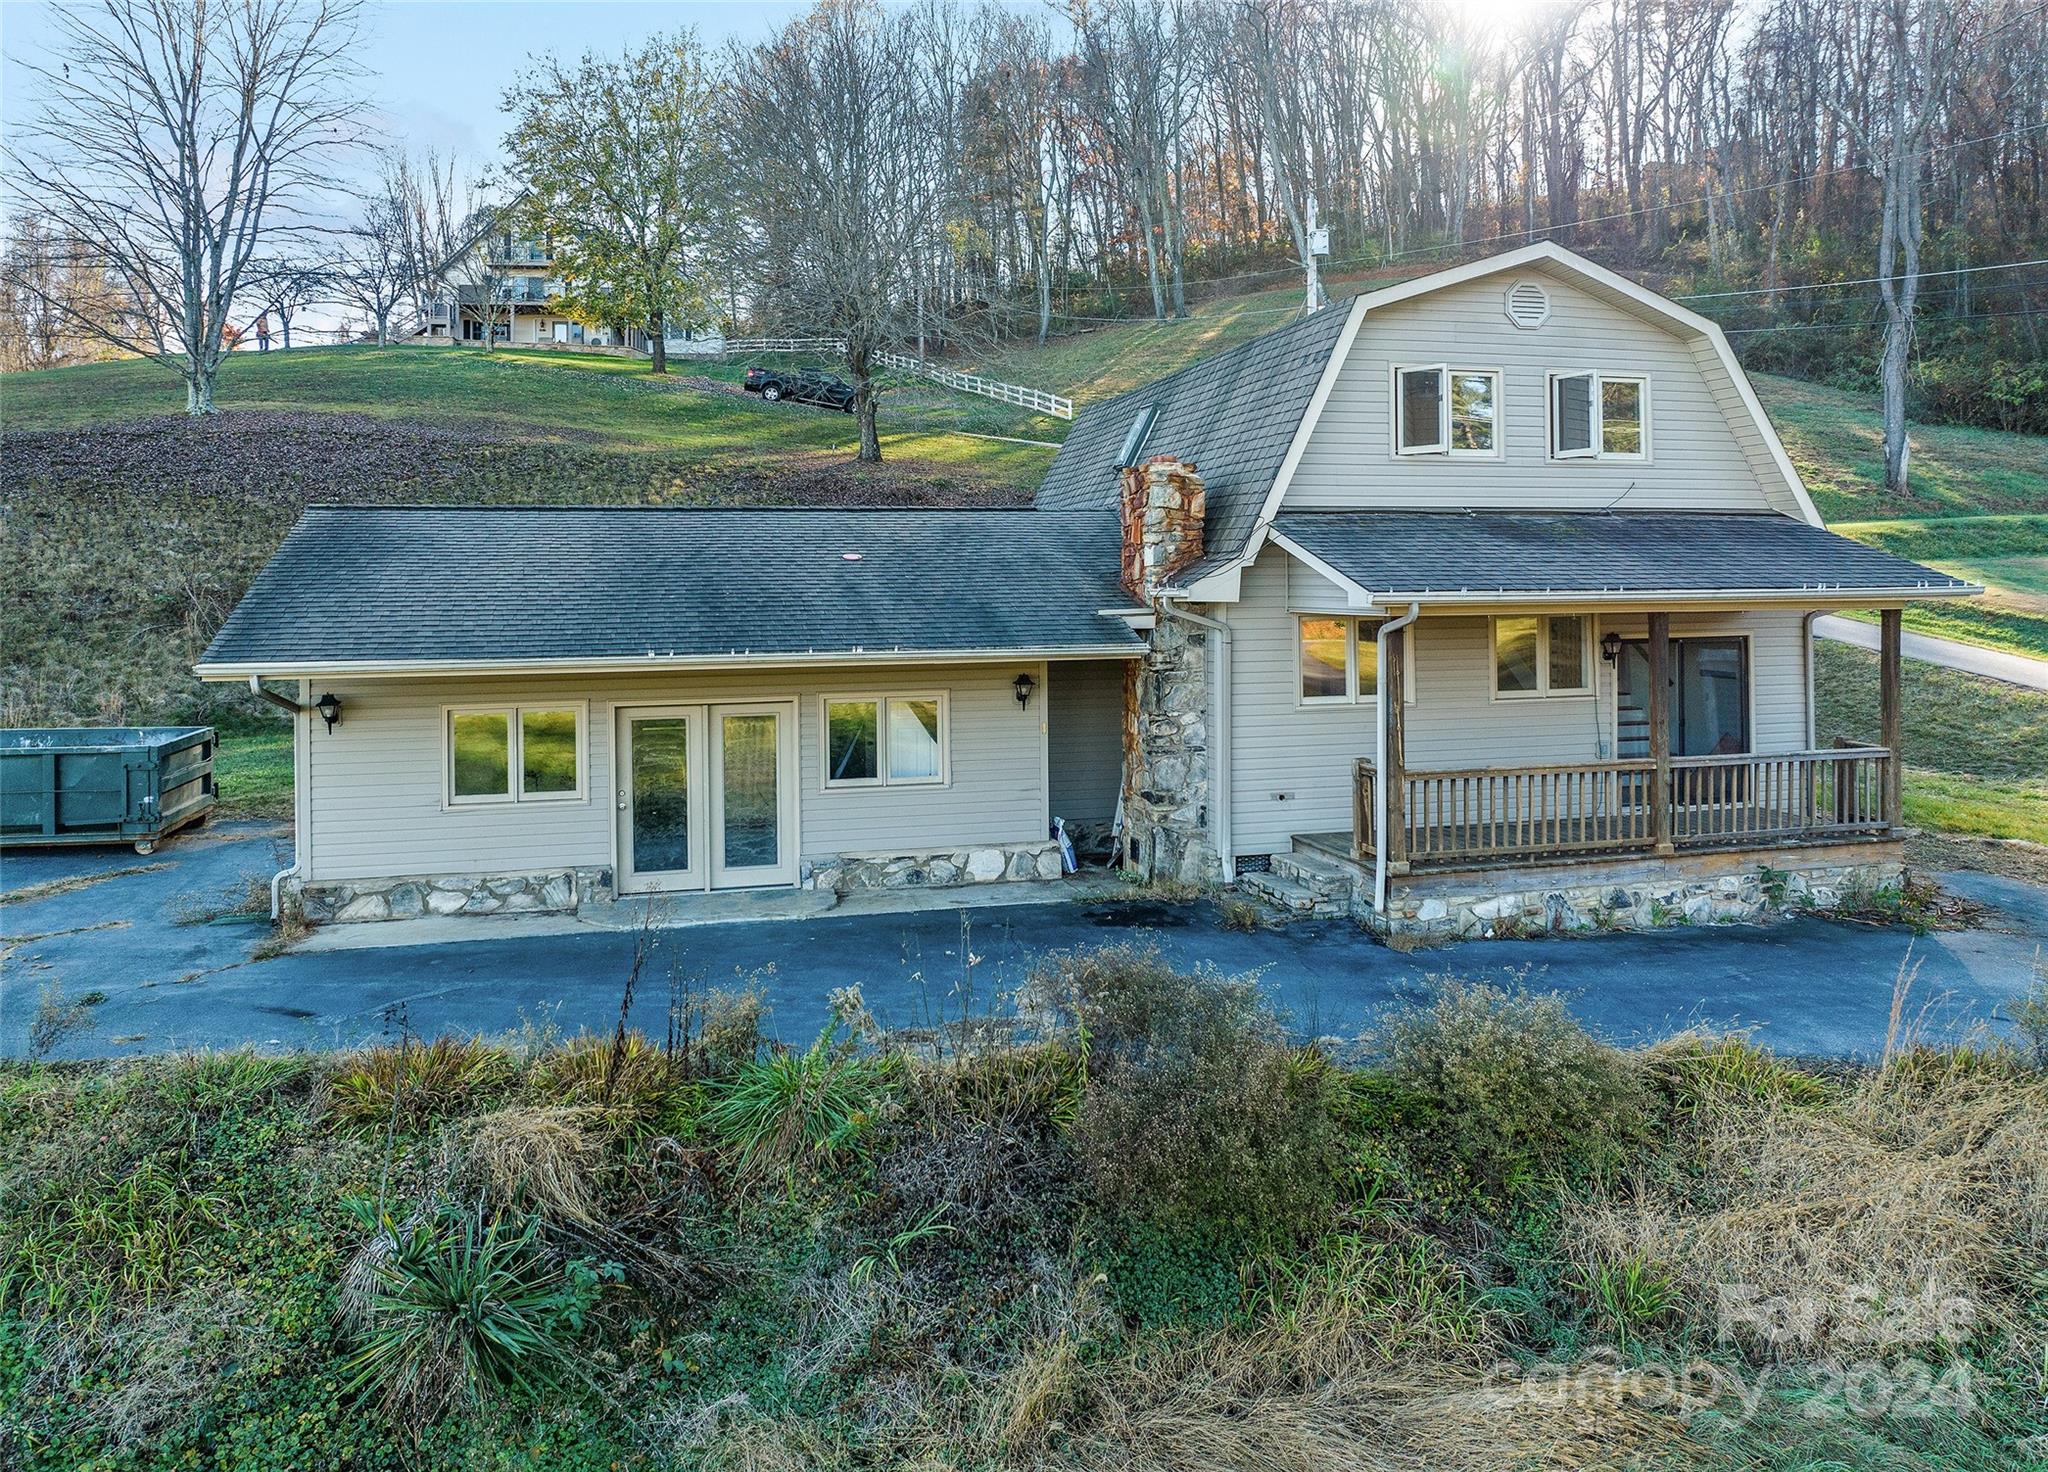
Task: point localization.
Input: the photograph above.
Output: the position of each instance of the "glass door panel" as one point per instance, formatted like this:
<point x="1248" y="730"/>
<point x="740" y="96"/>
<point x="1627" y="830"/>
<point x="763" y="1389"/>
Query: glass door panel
<point x="660" y="803"/>
<point x="1708" y="696"/>
<point x="755" y="788"/>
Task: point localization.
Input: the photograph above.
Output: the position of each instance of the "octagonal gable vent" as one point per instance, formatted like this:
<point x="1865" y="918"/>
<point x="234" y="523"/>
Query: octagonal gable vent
<point x="1528" y="305"/>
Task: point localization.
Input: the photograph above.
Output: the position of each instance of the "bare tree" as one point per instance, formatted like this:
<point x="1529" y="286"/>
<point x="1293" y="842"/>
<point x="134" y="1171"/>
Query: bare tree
<point x="48" y="281"/>
<point x="179" y="138"/>
<point x="437" y="209"/>
<point x="370" y="271"/>
<point x="1917" y="43"/>
<point x="831" y="148"/>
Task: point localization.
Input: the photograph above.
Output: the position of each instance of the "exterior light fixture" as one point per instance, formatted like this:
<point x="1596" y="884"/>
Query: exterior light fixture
<point x="1024" y="686"/>
<point x="1610" y="646"/>
<point x="329" y="706"/>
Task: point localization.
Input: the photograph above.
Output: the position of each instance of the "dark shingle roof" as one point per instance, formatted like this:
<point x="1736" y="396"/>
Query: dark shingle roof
<point x="1444" y="554"/>
<point x="455" y="585"/>
<point x="1233" y="416"/>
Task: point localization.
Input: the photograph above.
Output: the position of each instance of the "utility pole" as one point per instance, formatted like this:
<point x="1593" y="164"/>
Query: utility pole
<point x="1318" y="247"/>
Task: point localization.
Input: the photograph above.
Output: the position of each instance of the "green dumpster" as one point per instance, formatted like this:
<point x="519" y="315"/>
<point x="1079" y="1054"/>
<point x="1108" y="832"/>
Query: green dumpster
<point x="104" y="784"/>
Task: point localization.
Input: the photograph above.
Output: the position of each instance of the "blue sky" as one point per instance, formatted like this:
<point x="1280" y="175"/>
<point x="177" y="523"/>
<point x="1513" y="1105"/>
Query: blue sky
<point x="437" y="69"/>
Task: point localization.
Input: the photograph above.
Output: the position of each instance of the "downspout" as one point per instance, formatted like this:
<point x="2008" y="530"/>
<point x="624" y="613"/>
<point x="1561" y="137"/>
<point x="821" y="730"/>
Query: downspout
<point x="1379" y="750"/>
<point x="277" y="880"/>
<point x="1219" y="736"/>
<point x="1806" y="634"/>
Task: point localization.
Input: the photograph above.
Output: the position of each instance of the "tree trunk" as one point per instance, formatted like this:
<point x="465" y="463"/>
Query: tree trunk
<point x="198" y="390"/>
<point x="864" y="404"/>
<point x="657" y="341"/>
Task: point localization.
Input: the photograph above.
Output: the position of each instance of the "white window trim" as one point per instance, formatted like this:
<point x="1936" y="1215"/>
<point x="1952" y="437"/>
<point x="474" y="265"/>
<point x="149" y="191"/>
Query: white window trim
<point x="1596" y="450"/>
<point x="1354" y="635"/>
<point x="515" y="777"/>
<point x="1587" y="665"/>
<point x="1444" y="449"/>
<point x="880" y="700"/>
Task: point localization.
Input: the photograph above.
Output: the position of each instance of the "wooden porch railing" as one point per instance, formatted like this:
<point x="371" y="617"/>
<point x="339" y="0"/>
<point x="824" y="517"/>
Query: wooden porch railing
<point x="1483" y="814"/>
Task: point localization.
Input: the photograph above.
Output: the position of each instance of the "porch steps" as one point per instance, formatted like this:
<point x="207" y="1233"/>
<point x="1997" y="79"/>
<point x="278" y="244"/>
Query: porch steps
<point x="1302" y="884"/>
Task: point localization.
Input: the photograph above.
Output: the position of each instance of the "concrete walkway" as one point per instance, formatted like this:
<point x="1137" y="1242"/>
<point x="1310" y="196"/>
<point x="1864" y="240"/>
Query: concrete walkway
<point x="1971" y="659"/>
<point x="95" y="934"/>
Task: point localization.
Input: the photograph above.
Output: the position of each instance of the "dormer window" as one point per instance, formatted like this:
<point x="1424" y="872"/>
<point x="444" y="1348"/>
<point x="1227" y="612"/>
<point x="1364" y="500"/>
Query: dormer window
<point x="1599" y="416"/>
<point x="1441" y="410"/>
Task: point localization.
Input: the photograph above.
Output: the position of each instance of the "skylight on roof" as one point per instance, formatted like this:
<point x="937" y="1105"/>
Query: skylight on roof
<point x="1134" y="442"/>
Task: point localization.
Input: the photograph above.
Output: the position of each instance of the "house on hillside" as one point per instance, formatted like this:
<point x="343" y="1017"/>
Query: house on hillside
<point x="503" y="283"/>
<point x="1481" y="600"/>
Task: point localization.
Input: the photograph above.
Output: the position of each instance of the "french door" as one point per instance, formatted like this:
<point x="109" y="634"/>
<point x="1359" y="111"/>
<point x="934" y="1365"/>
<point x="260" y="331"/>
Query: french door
<point x="706" y="796"/>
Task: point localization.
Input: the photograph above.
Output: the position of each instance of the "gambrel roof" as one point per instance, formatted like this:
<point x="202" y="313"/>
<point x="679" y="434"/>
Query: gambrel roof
<point x="1244" y="416"/>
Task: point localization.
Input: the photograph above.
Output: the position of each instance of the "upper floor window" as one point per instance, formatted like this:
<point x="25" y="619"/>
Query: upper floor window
<point x="1599" y="416"/>
<point x="1441" y="410"/>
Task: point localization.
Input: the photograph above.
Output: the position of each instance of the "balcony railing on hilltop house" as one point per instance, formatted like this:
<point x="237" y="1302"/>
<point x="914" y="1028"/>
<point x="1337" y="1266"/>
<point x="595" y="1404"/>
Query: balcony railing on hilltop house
<point x="1655" y="805"/>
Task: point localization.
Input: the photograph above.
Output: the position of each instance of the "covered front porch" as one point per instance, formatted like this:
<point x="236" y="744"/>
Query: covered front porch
<point x="1654" y="802"/>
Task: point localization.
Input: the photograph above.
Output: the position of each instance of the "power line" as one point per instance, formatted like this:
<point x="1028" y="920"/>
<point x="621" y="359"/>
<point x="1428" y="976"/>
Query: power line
<point x="1872" y="326"/>
<point x="1700" y="296"/>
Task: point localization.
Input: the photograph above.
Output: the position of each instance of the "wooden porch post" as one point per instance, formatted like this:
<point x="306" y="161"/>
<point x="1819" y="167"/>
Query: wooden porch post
<point x="1660" y="732"/>
<point x="1890" y="729"/>
<point x="1394" y="831"/>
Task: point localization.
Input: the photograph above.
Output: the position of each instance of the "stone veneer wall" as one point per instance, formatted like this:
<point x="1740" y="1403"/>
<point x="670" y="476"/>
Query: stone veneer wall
<point x="1633" y="901"/>
<point x="1167" y="809"/>
<point x="938" y="869"/>
<point x="557" y="891"/>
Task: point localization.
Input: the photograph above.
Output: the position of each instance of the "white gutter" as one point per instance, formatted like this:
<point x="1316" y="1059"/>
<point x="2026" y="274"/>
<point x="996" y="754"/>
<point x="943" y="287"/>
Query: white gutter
<point x="1219" y="732"/>
<point x="804" y="659"/>
<point x="276" y="887"/>
<point x="1379" y="750"/>
<point x="1637" y="598"/>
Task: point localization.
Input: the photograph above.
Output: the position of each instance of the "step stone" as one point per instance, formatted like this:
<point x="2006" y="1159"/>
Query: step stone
<point x="1296" y="898"/>
<point x="1326" y="877"/>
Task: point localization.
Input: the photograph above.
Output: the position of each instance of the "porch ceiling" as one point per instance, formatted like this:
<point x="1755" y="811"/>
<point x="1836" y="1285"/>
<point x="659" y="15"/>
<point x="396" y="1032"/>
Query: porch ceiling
<point x="1449" y="557"/>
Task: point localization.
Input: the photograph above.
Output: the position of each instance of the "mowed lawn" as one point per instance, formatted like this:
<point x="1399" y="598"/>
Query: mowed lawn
<point x="1976" y="750"/>
<point x="581" y="397"/>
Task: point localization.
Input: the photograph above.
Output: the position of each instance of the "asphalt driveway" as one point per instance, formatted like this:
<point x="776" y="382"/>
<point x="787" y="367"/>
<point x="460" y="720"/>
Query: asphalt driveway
<point x="112" y="954"/>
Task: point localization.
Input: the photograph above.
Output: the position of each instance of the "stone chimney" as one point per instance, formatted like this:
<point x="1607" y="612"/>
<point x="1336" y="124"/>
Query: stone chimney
<point x="1163" y="506"/>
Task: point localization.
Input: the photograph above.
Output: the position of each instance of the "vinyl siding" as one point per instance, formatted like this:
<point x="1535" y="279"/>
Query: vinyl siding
<point x="1706" y="452"/>
<point x="1086" y="710"/>
<point x="1291" y="764"/>
<point x="373" y="791"/>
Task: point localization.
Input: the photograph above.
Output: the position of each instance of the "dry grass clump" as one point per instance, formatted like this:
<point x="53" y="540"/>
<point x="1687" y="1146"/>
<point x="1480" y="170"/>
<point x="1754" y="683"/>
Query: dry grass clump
<point x="1241" y="1404"/>
<point x="630" y="1082"/>
<point x="1911" y="1210"/>
<point x="545" y="1159"/>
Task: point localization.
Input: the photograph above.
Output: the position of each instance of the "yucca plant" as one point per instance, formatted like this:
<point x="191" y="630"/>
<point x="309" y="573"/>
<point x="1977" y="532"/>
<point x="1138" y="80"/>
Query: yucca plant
<point x="788" y="1106"/>
<point x="451" y="1306"/>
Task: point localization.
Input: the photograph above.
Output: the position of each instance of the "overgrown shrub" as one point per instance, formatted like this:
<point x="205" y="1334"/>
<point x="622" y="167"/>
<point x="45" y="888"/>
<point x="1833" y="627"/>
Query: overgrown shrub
<point x="1197" y="1112"/>
<point x="791" y="1106"/>
<point x="629" y="1085"/>
<point x="1499" y="1089"/>
<point x="409" y="1083"/>
<point x="450" y="1306"/>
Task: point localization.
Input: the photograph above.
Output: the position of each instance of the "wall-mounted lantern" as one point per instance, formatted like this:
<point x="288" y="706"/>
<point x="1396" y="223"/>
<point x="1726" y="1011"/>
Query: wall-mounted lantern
<point x="1610" y="646"/>
<point x="329" y="706"/>
<point x="1024" y="686"/>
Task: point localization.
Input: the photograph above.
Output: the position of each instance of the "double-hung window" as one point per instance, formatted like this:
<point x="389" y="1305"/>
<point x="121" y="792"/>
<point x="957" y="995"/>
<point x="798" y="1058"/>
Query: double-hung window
<point x="1339" y="659"/>
<point x="514" y="753"/>
<point x="1542" y="654"/>
<point x="885" y="740"/>
<point x="1441" y="410"/>
<point x="1599" y="416"/>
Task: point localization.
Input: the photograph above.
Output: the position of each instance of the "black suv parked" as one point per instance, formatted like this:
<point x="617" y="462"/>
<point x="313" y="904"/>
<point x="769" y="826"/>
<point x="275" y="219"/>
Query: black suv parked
<point x="804" y="385"/>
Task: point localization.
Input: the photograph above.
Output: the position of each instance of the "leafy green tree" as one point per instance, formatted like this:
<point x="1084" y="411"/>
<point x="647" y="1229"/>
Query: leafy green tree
<point x="615" y="156"/>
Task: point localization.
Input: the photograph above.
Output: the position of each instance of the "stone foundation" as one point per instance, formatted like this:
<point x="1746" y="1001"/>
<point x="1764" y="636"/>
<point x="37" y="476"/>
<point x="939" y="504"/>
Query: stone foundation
<point x="1706" y="889"/>
<point x="936" y="869"/>
<point x="556" y="891"/>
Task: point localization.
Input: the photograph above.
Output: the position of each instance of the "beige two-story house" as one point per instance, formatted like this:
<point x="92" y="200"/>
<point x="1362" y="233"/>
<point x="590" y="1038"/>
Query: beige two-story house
<point x="1534" y="499"/>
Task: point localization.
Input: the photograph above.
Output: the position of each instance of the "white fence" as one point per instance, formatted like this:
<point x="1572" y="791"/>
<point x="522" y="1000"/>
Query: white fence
<point x="1036" y="400"/>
